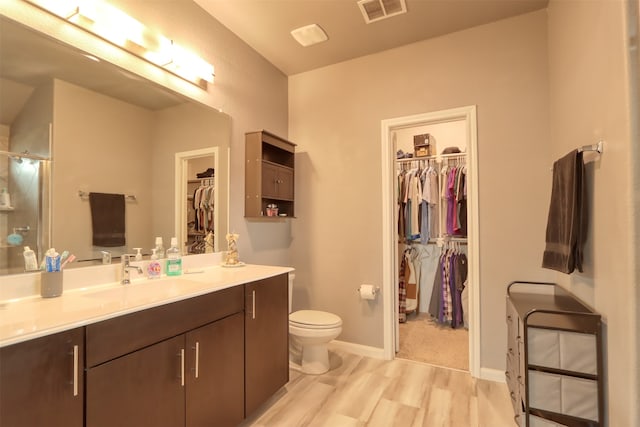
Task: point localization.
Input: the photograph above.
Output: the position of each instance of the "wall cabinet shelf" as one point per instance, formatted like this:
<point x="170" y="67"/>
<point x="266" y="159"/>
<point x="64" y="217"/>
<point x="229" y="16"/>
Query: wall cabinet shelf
<point x="554" y="358"/>
<point x="269" y="175"/>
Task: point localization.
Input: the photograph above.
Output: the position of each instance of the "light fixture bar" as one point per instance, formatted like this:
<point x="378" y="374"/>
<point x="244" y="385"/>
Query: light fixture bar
<point x="116" y="27"/>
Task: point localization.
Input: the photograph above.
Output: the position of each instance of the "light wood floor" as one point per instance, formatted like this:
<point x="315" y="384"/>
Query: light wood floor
<point x="361" y="391"/>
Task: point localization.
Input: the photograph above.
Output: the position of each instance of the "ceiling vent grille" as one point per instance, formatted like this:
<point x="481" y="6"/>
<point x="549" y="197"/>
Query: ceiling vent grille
<point x="376" y="10"/>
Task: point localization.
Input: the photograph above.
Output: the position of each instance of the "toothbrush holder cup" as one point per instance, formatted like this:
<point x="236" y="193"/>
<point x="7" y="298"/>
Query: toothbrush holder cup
<point x="51" y="284"/>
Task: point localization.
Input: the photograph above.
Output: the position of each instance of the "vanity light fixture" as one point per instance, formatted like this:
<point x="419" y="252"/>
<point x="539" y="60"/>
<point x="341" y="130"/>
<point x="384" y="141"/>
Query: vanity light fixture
<point x="111" y="24"/>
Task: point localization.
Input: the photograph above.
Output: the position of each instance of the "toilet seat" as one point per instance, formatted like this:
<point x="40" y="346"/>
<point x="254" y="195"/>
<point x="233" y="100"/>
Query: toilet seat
<point x="314" y="319"/>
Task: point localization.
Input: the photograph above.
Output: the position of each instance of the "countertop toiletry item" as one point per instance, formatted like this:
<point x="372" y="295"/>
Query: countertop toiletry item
<point x="154" y="269"/>
<point x="106" y="257"/>
<point x="5" y="199"/>
<point x="14" y="239"/>
<point x="138" y="254"/>
<point x="30" y="261"/>
<point x="159" y="248"/>
<point x="174" y="260"/>
<point x="52" y="260"/>
<point x="69" y="259"/>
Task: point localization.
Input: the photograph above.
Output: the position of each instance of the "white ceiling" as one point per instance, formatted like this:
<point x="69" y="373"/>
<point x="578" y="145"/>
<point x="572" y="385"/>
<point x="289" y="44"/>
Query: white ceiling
<point x="265" y="25"/>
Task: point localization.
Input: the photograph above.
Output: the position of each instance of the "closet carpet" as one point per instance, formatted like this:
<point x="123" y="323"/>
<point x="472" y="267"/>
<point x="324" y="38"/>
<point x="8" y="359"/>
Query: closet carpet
<point x="423" y="340"/>
<point x="361" y="391"/>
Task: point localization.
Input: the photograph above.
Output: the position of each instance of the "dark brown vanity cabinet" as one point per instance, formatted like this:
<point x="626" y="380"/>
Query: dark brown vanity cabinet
<point x="204" y="361"/>
<point x="269" y="175"/>
<point x="173" y="365"/>
<point x="41" y="381"/>
<point x="266" y="334"/>
<point x="215" y="373"/>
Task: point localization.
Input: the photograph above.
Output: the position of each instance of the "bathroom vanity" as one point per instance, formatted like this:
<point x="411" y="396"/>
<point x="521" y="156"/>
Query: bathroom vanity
<point x="201" y="349"/>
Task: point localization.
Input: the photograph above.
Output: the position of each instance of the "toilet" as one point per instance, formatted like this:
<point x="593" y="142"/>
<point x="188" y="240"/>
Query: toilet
<point x="309" y="333"/>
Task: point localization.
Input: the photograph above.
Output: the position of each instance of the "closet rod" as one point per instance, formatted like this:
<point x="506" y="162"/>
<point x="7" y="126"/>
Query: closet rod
<point x="436" y="157"/>
<point x="599" y="147"/>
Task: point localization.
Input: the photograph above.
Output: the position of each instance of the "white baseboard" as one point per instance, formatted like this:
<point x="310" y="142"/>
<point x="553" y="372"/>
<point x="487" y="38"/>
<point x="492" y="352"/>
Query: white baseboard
<point x="492" y="375"/>
<point x="359" y="349"/>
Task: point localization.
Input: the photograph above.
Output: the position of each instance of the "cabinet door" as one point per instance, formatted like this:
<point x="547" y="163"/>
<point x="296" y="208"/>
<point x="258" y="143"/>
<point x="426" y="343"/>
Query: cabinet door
<point x="266" y="339"/>
<point x="41" y="381"/>
<point x="143" y="388"/>
<point x="285" y="184"/>
<point x="270" y="180"/>
<point x="215" y="374"/>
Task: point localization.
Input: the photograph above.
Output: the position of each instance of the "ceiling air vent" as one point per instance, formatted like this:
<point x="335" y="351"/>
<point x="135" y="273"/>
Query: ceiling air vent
<point x="375" y="10"/>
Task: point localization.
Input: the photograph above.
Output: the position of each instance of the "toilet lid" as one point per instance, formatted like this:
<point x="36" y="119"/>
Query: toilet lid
<point x="315" y="318"/>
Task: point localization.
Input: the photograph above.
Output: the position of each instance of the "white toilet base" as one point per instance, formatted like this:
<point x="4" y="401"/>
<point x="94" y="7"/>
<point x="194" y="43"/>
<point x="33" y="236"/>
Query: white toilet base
<point x="315" y="359"/>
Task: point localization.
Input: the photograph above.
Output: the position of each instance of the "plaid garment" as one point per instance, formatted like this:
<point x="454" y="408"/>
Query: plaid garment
<point x="402" y="291"/>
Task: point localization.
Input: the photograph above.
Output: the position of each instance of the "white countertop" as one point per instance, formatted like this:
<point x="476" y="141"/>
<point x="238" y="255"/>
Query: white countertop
<point x="31" y="317"/>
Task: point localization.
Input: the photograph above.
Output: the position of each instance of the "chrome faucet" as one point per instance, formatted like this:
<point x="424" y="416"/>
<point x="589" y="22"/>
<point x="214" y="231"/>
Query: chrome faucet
<point x="125" y="261"/>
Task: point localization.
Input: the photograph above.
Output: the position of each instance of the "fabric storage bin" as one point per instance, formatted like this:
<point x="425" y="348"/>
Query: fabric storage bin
<point x="578" y="352"/>
<point x="563" y="394"/>
<point x="541" y="422"/>
<point x="580" y="398"/>
<point x="544" y="347"/>
<point x="571" y="351"/>
<point x="545" y="391"/>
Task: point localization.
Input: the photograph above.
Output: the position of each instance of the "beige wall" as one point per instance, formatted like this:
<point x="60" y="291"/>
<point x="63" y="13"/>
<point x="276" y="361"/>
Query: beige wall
<point x="589" y="100"/>
<point x="100" y="145"/>
<point x="335" y="115"/>
<point x="247" y="88"/>
<point x="186" y="127"/>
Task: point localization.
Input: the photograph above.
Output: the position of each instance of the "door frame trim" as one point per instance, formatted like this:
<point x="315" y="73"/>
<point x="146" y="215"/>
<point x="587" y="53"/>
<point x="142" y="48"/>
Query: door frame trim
<point x="389" y="231"/>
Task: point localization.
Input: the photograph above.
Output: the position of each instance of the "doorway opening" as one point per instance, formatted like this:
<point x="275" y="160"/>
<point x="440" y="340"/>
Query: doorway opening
<point x="394" y="132"/>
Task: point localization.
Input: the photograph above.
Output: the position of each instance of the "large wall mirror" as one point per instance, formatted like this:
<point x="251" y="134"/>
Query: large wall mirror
<point x="104" y="130"/>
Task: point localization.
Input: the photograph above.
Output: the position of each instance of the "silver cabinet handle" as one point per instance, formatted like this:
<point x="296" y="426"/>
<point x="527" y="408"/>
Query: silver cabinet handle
<point x="253" y="304"/>
<point x="182" y="367"/>
<point x="75" y="370"/>
<point x="197" y="359"/>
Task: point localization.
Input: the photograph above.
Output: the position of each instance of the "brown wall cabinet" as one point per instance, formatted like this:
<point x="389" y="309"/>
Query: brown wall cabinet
<point x="269" y="174"/>
<point x="266" y="339"/>
<point x="41" y="381"/>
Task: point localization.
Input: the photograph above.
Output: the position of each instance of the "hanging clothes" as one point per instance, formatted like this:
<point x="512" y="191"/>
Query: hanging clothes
<point x="450" y="280"/>
<point x="203" y="205"/>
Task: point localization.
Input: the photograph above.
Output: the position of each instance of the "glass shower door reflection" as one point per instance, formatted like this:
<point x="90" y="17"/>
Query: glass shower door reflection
<point x="23" y="218"/>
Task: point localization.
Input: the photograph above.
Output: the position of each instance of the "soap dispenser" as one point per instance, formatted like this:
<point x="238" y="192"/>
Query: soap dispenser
<point x="154" y="269"/>
<point x="174" y="260"/>
<point x="138" y="254"/>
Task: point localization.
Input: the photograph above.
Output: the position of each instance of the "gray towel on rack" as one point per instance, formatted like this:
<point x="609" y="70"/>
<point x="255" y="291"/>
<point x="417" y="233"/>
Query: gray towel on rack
<point x="107" y="219"/>
<point x="567" y="221"/>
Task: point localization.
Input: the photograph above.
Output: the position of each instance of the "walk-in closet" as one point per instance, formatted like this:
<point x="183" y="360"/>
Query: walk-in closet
<point x="432" y="227"/>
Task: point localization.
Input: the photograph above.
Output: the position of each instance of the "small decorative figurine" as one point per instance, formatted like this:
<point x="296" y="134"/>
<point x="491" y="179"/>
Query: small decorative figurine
<point x="232" y="252"/>
<point x="208" y="243"/>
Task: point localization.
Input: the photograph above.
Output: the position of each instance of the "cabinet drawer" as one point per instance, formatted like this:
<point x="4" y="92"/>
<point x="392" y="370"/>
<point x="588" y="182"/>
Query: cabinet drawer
<point x="124" y="334"/>
<point x="563" y="394"/>
<point x="570" y="351"/>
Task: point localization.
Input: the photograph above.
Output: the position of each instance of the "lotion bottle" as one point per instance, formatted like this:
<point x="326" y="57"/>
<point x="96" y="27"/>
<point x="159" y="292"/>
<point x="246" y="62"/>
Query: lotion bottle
<point x="159" y="248"/>
<point x="154" y="269"/>
<point x="30" y="261"/>
<point x="174" y="260"/>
